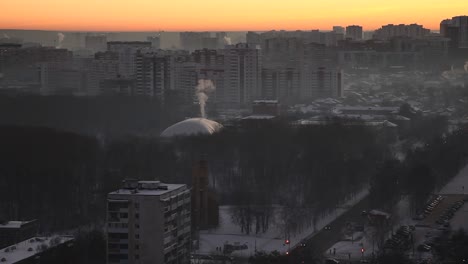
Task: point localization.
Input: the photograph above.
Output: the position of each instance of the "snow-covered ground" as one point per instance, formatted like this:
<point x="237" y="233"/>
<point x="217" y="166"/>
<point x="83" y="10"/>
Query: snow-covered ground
<point x="460" y="219"/>
<point x="230" y="233"/>
<point x="28" y="248"/>
<point x="459" y="184"/>
<point x="351" y="249"/>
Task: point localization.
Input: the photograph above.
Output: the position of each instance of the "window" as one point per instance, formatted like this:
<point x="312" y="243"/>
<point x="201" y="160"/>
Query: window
<point x="123" y="215"/>
<point x="137" y="246"/>
<point x="137" y="226"/>
<point x="137" y="236"/>
<point x="137" y="256"/>
<point x="137" y="215"/>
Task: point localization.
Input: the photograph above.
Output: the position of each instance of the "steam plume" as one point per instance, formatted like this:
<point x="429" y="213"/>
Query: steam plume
<point x="6" y="36"/>
<point x="227" y="40"/>
<point x="60" y="38"/>
<point x="201" y="91"/>
<point x="466" y="66"/>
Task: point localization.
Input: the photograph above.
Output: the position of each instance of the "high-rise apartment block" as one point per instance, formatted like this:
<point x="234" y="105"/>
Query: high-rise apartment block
<point x="127" y="53"/>
<point x="155" y="41"/>
<point x="152" y="74"/>
<point x="390" y="31"/>
<point x="149" y="222"/>
<point x="354" y="32"/>
<point x="96" y="42"/>
<point x="242" y="71"/>
<point x="456" y="29"/>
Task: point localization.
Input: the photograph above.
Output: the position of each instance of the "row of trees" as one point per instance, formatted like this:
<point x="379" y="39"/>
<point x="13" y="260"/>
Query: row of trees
<point x="424" y="170"/>
<point x="62" y="178"/>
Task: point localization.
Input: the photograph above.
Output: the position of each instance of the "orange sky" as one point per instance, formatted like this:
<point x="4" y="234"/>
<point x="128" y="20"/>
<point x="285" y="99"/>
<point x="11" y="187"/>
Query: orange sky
<point x="229" y="15"/>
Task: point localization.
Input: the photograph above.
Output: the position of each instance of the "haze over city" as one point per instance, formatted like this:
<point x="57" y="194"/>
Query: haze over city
<point x="233" y="132"/>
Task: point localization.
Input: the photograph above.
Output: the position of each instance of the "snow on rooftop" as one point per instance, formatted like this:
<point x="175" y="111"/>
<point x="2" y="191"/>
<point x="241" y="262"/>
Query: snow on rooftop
<point x="459" y="184"/>
<point x="368" y="108"/>
<point x="265" y="101"/>
<point x="14" y="224"/>
<point x="140" y="191"/>
<point x="256" y="117"/>
<point x="29" y="248"/>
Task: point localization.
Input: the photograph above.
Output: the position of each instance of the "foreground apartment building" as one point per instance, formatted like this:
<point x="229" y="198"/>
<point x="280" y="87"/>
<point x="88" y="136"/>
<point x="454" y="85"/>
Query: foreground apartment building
<point x="148" y="222"/>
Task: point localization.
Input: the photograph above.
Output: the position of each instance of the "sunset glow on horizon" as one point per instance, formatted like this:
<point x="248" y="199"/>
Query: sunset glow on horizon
<point x="212" y="15"/>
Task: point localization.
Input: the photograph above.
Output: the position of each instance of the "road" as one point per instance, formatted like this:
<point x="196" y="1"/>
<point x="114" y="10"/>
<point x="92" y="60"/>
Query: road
<point x="324" y="239"/>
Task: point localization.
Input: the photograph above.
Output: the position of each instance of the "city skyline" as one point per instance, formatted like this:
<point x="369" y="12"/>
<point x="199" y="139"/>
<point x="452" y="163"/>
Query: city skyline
<point x="146" y="15"/>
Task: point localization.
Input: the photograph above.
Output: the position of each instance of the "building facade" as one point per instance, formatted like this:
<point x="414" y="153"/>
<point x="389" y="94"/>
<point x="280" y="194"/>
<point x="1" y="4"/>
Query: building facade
<point x="390" y="31"/>
<point x="456" y="29"/>
<point x="96" y="43"/>
<point x="149" y="222"/>
<point x="354" y="32"/>
<point x="242" y="75"/>
<point x="152" y="75"/>
<point x="127" y="52"/>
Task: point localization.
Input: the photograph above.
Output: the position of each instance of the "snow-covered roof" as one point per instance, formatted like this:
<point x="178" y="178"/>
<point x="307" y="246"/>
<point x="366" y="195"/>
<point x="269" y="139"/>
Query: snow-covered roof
<point x="192" y="126"/>
<point x="28" y="248"/>
<point x="379" y="213"/>
<point x="265" y="101"/>
<point x="151" y="192"/>
<point x="371" y="108"/>
<point x="256" y="117"/>
<point x="14" y="224"/>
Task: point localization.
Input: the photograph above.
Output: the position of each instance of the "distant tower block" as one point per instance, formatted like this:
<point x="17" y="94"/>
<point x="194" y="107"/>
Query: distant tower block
<point x="205" y="208"/>
<point x="200" y="194"/>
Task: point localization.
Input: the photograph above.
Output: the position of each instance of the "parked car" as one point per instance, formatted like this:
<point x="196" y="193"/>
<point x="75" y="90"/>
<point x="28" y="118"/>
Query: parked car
<point x="424" y="248"/>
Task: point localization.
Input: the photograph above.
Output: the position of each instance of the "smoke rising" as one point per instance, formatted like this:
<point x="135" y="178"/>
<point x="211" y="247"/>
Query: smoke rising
<point x="227" y="41"/>
<point x="60" y="38"/>
<point x="201" y="91"/>
<point x="6" y="36"/>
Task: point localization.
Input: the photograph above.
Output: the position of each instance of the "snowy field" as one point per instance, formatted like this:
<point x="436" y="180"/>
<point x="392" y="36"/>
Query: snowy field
<point x="459" y="184"/>
<point x="460" y="220"/>
<point x="230" y="233"/>
<point x="351" y="249"/>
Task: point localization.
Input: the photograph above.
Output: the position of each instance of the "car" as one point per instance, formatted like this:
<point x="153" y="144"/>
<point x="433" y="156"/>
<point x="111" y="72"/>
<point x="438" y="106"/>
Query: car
<point x="303" y="243"/>
<point x="424" y="248"/>
<point x="364" y="213"/>
<point x="418" y="217"/>
<point x="331" y="261"/>
<point x="328" y="227"/>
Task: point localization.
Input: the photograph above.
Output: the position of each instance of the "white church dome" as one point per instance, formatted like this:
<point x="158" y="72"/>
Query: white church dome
<point x="192" y="126"/>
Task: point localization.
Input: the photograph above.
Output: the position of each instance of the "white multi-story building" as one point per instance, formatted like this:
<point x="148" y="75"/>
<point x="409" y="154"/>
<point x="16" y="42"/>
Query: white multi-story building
<point x="242" y="75"/>
<point x="148" y="222"/>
